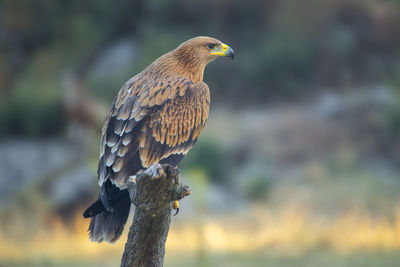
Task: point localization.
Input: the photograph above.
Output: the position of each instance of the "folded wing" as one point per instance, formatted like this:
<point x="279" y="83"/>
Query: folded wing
<point x="154" y="121"/>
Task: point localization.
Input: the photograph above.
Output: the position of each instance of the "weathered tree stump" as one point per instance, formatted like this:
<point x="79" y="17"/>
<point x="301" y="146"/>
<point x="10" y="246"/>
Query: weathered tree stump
<point x="152" y="192"/>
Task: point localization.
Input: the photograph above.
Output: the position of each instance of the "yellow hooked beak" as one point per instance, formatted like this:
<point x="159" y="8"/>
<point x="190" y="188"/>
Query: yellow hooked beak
<point x="225" y="50"/>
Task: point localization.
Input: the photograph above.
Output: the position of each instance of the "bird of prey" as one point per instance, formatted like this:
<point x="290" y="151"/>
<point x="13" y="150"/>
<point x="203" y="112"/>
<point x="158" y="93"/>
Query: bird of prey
<point x="157" y="116"/>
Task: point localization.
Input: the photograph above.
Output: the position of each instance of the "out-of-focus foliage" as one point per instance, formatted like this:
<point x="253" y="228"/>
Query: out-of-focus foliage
<point x="208" y="155"/>
<point x="285" y="49"/>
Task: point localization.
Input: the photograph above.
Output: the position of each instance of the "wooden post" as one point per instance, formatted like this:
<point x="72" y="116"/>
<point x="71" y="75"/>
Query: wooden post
<point x="152" y="192"/>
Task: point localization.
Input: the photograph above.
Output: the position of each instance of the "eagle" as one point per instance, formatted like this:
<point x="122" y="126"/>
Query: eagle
<point x="157" y="116"/>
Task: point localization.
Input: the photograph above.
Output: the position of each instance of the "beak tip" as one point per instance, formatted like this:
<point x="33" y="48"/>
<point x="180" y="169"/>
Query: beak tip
<point x="231" y="53"/>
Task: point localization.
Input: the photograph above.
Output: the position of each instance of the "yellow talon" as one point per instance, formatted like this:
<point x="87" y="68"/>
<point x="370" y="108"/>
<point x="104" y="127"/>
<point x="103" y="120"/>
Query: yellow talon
<point x="176" y="206"/>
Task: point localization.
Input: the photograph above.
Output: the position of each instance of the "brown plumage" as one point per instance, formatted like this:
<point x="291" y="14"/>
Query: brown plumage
<point x="157" y="117"/>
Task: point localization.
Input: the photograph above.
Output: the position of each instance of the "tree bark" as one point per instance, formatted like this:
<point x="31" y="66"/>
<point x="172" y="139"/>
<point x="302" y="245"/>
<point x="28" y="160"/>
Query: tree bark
<point x="152" y="192"/>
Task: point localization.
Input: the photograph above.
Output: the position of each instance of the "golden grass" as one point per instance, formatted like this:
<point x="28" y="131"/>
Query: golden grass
<point x="290" y="230"/>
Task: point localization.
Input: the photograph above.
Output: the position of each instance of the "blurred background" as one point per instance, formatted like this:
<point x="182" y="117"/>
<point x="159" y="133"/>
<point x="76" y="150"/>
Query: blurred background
<point x="298" y="165"/>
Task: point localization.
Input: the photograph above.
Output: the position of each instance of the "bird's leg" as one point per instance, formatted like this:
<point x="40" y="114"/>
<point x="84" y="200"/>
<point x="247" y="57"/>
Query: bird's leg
<point x="176" y="207"/>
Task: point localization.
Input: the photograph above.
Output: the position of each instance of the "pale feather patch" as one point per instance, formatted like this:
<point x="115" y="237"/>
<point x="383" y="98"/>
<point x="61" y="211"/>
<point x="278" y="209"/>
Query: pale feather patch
<point x="111" y="140"/>
<point x="119" y="180"/>
<point x="129" y="126"/>
<point x="126" y="109"/>
<point x="126" y="139"/>
<point x="116" y="167"/>
<point x="116" y="146"/>
<point x="110" y="159"/>
<point x="122" y="151"/>
<point x="119" y="127"/>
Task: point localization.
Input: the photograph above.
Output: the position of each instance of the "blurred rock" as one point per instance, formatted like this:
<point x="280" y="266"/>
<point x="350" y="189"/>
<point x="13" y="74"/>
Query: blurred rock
<point x="26" y="163"/>
<point x="117" y="58"/>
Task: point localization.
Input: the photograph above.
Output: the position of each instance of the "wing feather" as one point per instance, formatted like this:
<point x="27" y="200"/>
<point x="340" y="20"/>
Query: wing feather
<point x="166" y="131"/>
<point x="151" y="121"/>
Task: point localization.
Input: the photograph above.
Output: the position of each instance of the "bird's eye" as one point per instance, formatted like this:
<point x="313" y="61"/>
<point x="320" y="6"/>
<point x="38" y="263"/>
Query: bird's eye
<point x="211" y="46"/>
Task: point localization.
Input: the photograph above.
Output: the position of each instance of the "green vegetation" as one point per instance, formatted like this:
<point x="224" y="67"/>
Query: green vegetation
<point x="284" y="50"/>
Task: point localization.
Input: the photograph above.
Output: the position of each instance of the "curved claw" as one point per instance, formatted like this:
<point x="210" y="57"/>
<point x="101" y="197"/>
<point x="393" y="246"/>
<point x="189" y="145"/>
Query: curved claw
<point x="177" y="211"/>
<point x="176" y="207"/>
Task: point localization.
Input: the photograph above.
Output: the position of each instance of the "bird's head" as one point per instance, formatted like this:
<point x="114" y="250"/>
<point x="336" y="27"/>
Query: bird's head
<point x="191" y="57"/>
<point x="203" y="49"/>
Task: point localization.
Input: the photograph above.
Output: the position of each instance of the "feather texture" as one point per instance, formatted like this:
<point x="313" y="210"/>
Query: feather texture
<point x="155" y="122"/>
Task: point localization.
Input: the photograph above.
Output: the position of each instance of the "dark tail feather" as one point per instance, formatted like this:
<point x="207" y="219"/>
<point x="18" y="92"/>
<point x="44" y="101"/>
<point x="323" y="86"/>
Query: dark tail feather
<point x="94" y="209"/>
<point x="105" y="225"/>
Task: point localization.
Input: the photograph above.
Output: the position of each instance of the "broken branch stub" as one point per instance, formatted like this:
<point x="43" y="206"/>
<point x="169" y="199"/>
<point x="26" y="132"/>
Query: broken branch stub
<point x="151" y="191"/>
